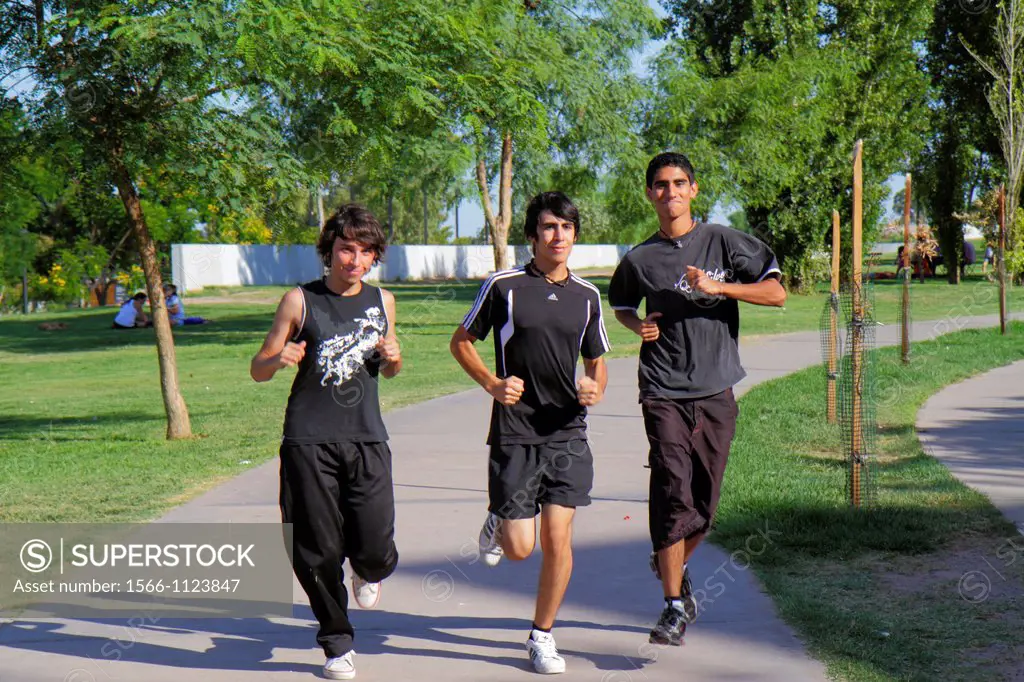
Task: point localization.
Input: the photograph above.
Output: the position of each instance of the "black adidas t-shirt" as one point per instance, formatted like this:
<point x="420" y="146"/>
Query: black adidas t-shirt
<point x="540" y="331"/>
<point x="697" y="354"/>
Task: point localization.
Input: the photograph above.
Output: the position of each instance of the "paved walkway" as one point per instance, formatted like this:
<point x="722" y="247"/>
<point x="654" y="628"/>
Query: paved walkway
<point x="976" y="428"/>
<point x="442" y="617"/>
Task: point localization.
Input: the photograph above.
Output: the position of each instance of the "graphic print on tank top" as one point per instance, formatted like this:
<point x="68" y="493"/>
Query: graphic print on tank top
<point x="341" y="356"/>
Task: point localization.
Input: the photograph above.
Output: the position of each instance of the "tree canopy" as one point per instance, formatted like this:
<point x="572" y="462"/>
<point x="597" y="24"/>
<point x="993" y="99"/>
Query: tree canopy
<point x="134" y="124"/>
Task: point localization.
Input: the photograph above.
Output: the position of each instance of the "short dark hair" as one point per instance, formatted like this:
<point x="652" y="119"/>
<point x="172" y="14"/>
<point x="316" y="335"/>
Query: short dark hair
<point x="673" y="159"/>
<point x="354" y="222"/>
<point x="557" y="203"/>
<point x="139" y="297"/>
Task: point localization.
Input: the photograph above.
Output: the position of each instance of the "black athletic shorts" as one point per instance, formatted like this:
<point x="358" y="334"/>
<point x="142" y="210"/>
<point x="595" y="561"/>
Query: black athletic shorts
<point x="690" y="442"/>
<point x="524" y="477"/>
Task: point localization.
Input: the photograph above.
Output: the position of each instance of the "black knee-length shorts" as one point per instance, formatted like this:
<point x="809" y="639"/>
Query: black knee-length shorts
<point x="690" y="441"/>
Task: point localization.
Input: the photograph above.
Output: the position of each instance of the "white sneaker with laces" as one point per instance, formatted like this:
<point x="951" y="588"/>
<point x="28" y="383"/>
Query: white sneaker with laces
<point x="366" y="594"/>
<point x="490" y="541"/>
<point x="544" y="653"/>
<point x="340" y="667"/>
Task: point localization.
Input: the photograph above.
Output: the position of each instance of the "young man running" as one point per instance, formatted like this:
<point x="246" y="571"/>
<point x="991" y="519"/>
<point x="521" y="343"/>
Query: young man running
<point x="691" y="275"/>
<point x="336" y="486"/>
<point x="544" y="318"/>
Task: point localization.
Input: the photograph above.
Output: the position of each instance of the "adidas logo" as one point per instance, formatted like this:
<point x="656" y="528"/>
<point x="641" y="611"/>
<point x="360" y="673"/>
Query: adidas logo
<point x="552" y="297"/>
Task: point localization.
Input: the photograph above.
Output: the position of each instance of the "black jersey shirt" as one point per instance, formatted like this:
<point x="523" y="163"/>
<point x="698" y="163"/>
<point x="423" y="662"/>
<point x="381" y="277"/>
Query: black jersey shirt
<point x="697" y="353"/>
<point x="540" y="331"/>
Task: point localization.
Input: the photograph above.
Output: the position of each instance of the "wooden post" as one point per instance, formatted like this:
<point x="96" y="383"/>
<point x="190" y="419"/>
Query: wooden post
<point x="1002" y="259"/>
<point x="833" y="322"/>
<point x="857" y="331"/>
<point x="905" y="327"/>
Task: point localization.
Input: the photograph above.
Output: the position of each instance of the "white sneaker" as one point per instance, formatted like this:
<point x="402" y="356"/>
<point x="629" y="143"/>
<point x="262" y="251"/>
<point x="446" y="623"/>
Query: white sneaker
<point x="490" y="541"/>
<point x="366" y="594"/>
<point x="544" y="653"/>
<point x="340" y="667"/>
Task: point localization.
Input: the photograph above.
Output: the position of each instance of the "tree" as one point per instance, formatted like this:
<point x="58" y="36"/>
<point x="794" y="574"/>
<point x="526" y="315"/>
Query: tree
<point x="960" y="144"/>
<point x="418" y="169"/>
<point x="160" y="93"/>
<point x="18" y="206"/>
<point x="1006" y="98"/>
<point x="768" y="99"/>
<point x="547" y="78"/>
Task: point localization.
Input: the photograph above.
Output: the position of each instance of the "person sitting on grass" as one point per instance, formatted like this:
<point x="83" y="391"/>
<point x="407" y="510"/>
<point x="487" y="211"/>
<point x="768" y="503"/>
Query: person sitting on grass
<point x="969" y="258"/>
<point x="131" y="314"/>
<point x="176" y="309"/>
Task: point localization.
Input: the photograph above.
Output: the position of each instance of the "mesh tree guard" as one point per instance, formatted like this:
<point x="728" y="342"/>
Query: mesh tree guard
<point x="857" y="402"/>
<point x="904" y="319"/>
<point x="831" y="351"/>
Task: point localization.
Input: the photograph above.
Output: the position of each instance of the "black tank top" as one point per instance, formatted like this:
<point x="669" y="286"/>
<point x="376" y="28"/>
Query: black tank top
<point x="334" y="396"/>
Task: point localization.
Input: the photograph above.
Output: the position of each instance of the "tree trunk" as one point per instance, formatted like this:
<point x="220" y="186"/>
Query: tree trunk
<point x="321" y="212"/>
<point x="497" y="226"/>
<point x="947" y="199"/>
<point x="40" y="23"/>
<point x="501" y="260"/>
<point x="1011" y="47"/>
<point x="104" y="290"/>
<point x="178" y="424"/>
<point x="391" y="217"/>
<point x="952" y="242"/>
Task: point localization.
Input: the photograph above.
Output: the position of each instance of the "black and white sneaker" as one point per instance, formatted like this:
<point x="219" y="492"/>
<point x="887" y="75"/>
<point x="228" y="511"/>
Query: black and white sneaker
<point x="544" y="654"/>
<point x="670" y="628"/>
<point x="685" y="589"/>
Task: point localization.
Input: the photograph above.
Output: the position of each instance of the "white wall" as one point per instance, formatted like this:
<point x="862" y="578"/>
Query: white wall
<point x="195" y="266"/>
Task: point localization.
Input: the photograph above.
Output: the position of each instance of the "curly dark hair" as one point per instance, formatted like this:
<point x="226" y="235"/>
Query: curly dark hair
<point x="355" y="222"/>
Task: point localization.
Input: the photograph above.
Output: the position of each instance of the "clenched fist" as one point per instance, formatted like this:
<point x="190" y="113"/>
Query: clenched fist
<point x="588" y="392"/>
<point x="291" y="354"/>
<point x="389" y="350"/>
<point x="649" y="328"/>
<point x="699" y="281"/>
<point x="508" y="391"/>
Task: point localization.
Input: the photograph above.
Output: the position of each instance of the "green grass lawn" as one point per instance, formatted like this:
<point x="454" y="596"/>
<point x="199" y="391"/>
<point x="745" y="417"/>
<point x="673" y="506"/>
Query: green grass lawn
<point x="82" y="421"/>
<point x="875" y="592"/>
